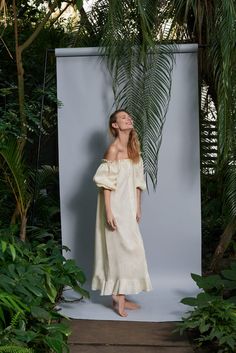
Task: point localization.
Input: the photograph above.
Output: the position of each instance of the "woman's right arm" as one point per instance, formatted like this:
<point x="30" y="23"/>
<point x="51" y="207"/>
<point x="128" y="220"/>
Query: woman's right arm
<point x="109" y="215"/>
<point x="110" y="155"/>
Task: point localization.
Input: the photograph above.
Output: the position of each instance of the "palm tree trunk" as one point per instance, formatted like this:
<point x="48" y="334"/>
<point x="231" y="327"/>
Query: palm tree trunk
<point x="23" y="227"/>
<point x="224" y="242"/>
<point x="20" y="77"/>
<point x="21" y="97"/>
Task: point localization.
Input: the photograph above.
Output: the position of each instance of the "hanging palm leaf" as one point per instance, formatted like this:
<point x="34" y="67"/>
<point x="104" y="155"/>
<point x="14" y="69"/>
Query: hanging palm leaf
<point x="141" y="71"/>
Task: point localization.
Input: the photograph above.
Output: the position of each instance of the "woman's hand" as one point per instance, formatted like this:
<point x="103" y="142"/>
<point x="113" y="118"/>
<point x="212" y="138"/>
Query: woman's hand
<point x="109" y="215"/>
<point x="138" y="211"/>
<point x="111" y="220"/>
<point x="138" y="214"/>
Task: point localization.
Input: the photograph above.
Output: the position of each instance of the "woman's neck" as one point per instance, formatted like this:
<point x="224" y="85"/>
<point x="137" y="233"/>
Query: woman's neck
<point x="123" y="138"/>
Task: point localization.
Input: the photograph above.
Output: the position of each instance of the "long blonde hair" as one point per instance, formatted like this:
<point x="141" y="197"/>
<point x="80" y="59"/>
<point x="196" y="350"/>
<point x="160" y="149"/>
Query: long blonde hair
<point x="133" y="147"/>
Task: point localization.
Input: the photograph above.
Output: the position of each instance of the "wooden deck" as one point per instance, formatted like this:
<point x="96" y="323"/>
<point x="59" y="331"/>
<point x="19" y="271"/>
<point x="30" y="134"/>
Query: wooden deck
<point x="92" y="336"/>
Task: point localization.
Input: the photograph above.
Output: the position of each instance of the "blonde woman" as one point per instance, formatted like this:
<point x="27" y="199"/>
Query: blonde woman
<point x="120" y="264"/>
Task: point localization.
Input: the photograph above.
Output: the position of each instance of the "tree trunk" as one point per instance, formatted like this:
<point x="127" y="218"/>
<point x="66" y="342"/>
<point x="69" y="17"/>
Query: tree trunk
<point x="23" y="227"/>
<point x="224" y="242"/>
<point x="21" y="96"/>
<point x="14" y="216"/>
<point x="20" y="77"/>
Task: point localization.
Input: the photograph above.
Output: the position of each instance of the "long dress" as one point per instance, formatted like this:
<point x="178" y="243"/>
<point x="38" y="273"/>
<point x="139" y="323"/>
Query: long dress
<point x="120" y="264"/>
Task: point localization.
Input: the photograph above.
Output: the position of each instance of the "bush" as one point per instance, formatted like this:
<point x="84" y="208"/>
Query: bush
<point x="214" y="310"/>
<point x="32" y="277"/>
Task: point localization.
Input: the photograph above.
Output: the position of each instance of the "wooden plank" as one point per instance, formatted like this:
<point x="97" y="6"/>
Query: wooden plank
<point x="126" y="333"/>
<point x="127" y="349"/>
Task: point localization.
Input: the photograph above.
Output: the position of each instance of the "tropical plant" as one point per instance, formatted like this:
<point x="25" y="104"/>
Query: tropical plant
<point x="129" y="32"/>
<point x="141" y="69"/>
<point x="222" y="285"/>
<point x="214" y="310"/>
<point x="32" y="191"/>
<point x="17" y="178"/>
<point x="32" y="277"/>
<point x="45" y="13"/>
<point x="212" y="25"/>
<point x="15" y="349"/>
<point x="215" y="320"/>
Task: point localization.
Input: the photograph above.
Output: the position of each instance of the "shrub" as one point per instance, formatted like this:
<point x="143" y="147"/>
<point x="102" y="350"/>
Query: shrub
<point x="32" y="277"/>
<point x="214" y="310"/>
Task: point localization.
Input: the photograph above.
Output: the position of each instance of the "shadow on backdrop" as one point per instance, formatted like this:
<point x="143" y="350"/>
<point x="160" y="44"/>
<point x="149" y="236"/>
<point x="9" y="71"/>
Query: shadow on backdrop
<point x="83" y="206"/>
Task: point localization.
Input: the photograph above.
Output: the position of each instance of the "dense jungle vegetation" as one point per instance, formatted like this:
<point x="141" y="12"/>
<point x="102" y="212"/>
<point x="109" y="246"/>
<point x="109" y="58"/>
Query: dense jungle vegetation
<point x="33" y="270"/>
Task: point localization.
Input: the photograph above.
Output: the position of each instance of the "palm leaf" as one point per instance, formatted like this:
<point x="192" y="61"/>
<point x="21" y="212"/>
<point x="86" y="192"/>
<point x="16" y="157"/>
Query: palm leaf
<point x="141" y="71"/>
<point x="214" y="25"/>
<point x="15" y="174"/>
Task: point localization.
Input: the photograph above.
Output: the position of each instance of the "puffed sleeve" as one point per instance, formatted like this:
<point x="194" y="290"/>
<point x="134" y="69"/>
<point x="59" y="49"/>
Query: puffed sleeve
<point x="139" y="175"/>
<point x="106" y="175"/>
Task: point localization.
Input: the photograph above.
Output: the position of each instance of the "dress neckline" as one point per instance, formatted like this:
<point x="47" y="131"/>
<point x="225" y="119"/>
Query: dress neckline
<point x="116" y="160"/>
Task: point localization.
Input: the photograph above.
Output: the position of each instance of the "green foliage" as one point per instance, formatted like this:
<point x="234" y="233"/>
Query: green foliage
<point x="32" y="277"/>
<point x="141" y="69"/>
<point x="223" y="285"/>
<point x="15" y="174"/>
<point x="35" y="193"/>
<point x="45" y="210"/>
<point x="10" y="124"/>
<point x="215" y="320"/>
<point x="15" y="349"/>
<point x="212" y="25"/>
<point x="214" y="310"/>
<point x="213" y="221"/>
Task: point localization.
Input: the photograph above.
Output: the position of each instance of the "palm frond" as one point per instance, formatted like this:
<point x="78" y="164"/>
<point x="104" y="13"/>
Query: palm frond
<point x="230" y="190"/>
<point x="15" y="174"/>
<point x="222" y="55"/>
<point x="47" y="175"/>
<point x="141" y="71"/>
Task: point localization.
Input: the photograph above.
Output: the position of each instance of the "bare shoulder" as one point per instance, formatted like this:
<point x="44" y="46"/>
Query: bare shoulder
<point x="111" y="153"/>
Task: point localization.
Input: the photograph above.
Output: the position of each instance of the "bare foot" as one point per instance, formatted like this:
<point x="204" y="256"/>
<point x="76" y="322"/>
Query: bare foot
<point x="128" y="303"/>
<point x="119" y="304"/>
<point x="131" y="305"/>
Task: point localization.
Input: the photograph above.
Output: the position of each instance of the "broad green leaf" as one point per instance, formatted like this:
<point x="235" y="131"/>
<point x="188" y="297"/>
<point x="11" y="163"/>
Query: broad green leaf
<point x="229" y="284"/>
<point x="207" y="282"/>
<point x="50" y="289"/>
<point x="26" y="335"/>
<point x="33" y="289"/>
<point x="63" y="328"/>
<point x="205" y="298"/>
<point x="40" y="313"/>
<point x="81" y="277"/>
<point x="4" y="245"/>
<point x="55" y="343"/>
<point x="189" y="301"/>
<point x="229" y="274"/>
<point x="204" y="327"/>
<point x="13" y="251"/>
<point x="82" y="291"/>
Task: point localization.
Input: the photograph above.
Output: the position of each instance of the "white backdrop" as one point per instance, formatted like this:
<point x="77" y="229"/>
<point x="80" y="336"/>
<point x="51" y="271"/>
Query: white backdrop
<point x="171" y="217"/>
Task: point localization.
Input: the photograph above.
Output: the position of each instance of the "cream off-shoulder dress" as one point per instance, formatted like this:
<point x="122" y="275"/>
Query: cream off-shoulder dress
<point x="120" y="264"/>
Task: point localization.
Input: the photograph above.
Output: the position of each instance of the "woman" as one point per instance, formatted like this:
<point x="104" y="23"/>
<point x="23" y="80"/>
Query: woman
<point x="120" y="264"/>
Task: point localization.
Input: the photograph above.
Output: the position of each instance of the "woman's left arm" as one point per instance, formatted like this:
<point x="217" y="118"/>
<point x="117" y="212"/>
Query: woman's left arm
<point x="138" y="210"/>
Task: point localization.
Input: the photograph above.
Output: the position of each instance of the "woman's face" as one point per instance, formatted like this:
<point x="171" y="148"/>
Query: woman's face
<point x="123" y="121"/>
